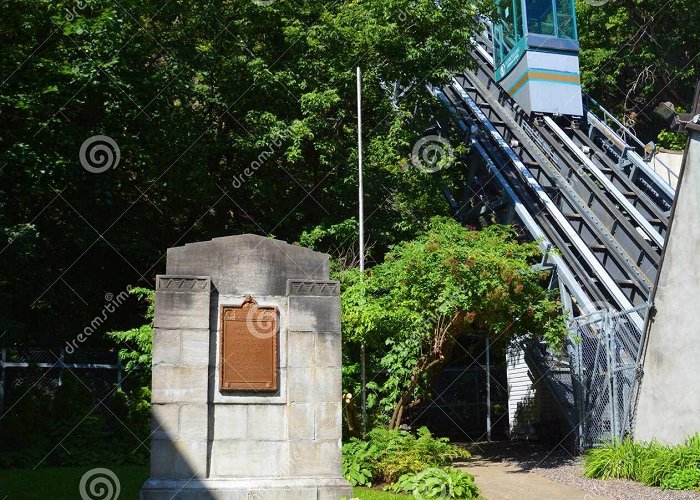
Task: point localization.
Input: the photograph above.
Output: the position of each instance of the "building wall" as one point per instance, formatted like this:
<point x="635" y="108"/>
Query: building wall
<point x="669" y="402"/>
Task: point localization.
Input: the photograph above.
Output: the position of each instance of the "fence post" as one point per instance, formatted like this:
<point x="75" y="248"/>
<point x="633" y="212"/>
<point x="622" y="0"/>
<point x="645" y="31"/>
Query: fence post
<point x="575" y="342"/>
<point x="60" y="370"/>
<point x="488" y="388"/>
<point x="610" y="348"/>
<point x="3" y="358"/>
<point x="119" y="372"/>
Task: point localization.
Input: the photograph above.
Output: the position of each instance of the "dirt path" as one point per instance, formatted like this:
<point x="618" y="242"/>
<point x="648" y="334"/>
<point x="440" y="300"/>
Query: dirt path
<point x="504" y="481"/>
<point x="529" y="471"/>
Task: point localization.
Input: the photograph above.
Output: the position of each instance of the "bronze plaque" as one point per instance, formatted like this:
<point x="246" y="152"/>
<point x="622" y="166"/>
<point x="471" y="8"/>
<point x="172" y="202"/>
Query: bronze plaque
<point x="248" y="348"/>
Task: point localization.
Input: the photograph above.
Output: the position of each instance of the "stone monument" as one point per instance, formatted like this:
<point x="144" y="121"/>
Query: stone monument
<point x="246" y="374"/>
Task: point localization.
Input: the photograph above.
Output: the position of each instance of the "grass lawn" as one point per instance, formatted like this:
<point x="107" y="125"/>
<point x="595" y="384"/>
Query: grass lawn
<point x="62" y="483"/>
<point x="368" y="494"/>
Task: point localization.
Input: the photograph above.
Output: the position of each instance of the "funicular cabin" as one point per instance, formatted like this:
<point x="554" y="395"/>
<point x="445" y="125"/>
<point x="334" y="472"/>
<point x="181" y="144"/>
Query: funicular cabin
<point x="536" y="55"/>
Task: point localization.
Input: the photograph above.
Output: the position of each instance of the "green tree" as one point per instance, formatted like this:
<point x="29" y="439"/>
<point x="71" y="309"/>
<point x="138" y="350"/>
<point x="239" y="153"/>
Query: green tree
<point x="136" y="344"/>
<point x="638" y="53"/>
<point x="411" y="309"/>
<point x="197" y="96"/>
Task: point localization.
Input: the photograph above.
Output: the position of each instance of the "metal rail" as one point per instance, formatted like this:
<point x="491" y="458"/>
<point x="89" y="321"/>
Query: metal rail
<point x="598" y="225"/>
<point x="533" y="224"/>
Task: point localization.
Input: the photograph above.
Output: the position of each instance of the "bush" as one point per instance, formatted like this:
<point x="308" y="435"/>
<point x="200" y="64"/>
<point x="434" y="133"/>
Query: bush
<point x="437" y="482"/>
<point x="358" y="462"/>
<point x="88" y="433"/>
<point x="686" y="479"/>
<point x="652" y="463"/>
<point x="388" y="454"/>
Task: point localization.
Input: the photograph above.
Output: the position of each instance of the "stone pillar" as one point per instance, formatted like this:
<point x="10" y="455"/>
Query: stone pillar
<point x="269" y="426"/>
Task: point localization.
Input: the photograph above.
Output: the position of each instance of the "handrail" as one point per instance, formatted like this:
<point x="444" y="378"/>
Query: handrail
<point x="607" y="114"/>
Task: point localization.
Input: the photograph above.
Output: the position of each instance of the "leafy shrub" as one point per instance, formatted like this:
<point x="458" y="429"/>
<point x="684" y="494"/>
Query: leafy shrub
<point x="358" y="462"/>
<point x="388" y="454"/>
<point x="137" y="349"/>
<point x="89" y="433"/>
<point x="437" y="482"/>
<point x="686" y="479"/>
<point x="650" y="463"/>
<point x="672" y="140"/>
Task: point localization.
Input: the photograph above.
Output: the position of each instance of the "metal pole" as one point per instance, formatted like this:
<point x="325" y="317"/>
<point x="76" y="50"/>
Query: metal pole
<point x="2" y="379"/>
<point x="363" y="373"/>
<point x="610" y="337"/>
<point x="60" y="370"/>
<point x="488" y="388"/>
<point x="120" y="377"/>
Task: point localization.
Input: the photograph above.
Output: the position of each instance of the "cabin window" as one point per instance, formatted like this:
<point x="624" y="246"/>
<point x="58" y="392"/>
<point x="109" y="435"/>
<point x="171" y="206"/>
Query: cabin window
<point x="566" y="27"/>
<point x="540" y="17"/>
<point x="551" y="17"/>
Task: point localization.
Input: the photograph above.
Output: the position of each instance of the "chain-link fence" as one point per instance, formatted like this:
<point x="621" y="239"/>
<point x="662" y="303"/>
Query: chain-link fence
<point x="43" y="370"/>
<point x="605" y="354"/>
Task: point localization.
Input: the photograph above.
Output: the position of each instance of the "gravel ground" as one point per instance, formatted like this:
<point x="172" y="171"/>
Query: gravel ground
<point x="559" y="465"/>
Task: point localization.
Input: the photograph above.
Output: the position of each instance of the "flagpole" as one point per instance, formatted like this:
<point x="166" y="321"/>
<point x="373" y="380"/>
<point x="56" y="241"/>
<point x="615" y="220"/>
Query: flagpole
<point x="363" y="375"/>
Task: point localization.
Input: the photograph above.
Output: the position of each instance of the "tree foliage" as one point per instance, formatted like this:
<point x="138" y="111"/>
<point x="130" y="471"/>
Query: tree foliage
<point x="636" y="54"/>
<point x="136" y="344"/>
<point x="230" y="117"/>
<point x="411" y="309"/>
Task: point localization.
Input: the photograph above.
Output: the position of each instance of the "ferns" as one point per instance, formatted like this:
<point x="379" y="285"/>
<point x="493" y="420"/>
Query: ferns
<point x="389" y="455"/>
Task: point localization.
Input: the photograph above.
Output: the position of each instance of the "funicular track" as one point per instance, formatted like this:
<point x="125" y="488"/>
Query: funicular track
<point x="578" y="187"/>
<point x="623" y="239"/>
<point x="607" y="149"/>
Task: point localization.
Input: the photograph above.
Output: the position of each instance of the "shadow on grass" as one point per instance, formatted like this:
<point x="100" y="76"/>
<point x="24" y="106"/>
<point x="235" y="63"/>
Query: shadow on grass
<point x="61" y="483"/>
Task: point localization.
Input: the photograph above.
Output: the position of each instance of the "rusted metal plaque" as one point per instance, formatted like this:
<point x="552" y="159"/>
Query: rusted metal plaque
<point x="248" y="348"/>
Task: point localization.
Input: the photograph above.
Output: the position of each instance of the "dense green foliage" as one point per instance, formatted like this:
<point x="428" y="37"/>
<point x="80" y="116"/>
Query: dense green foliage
<point x="672" y="140"/>
<point x="636" y="54"/>
<point x="653" y="464"/>
<point x="439" y="483"/>
<point x="69" y="428"/>
<point x="684" y="479"/>
<point x="411" y="309"/>
<point x="137" y="343"/>
<point x="197" y="96"/>
<point x="385" y="455"/>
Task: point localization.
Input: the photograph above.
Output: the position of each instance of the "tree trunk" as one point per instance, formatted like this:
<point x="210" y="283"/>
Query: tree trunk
<point x="440" y="349"/>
